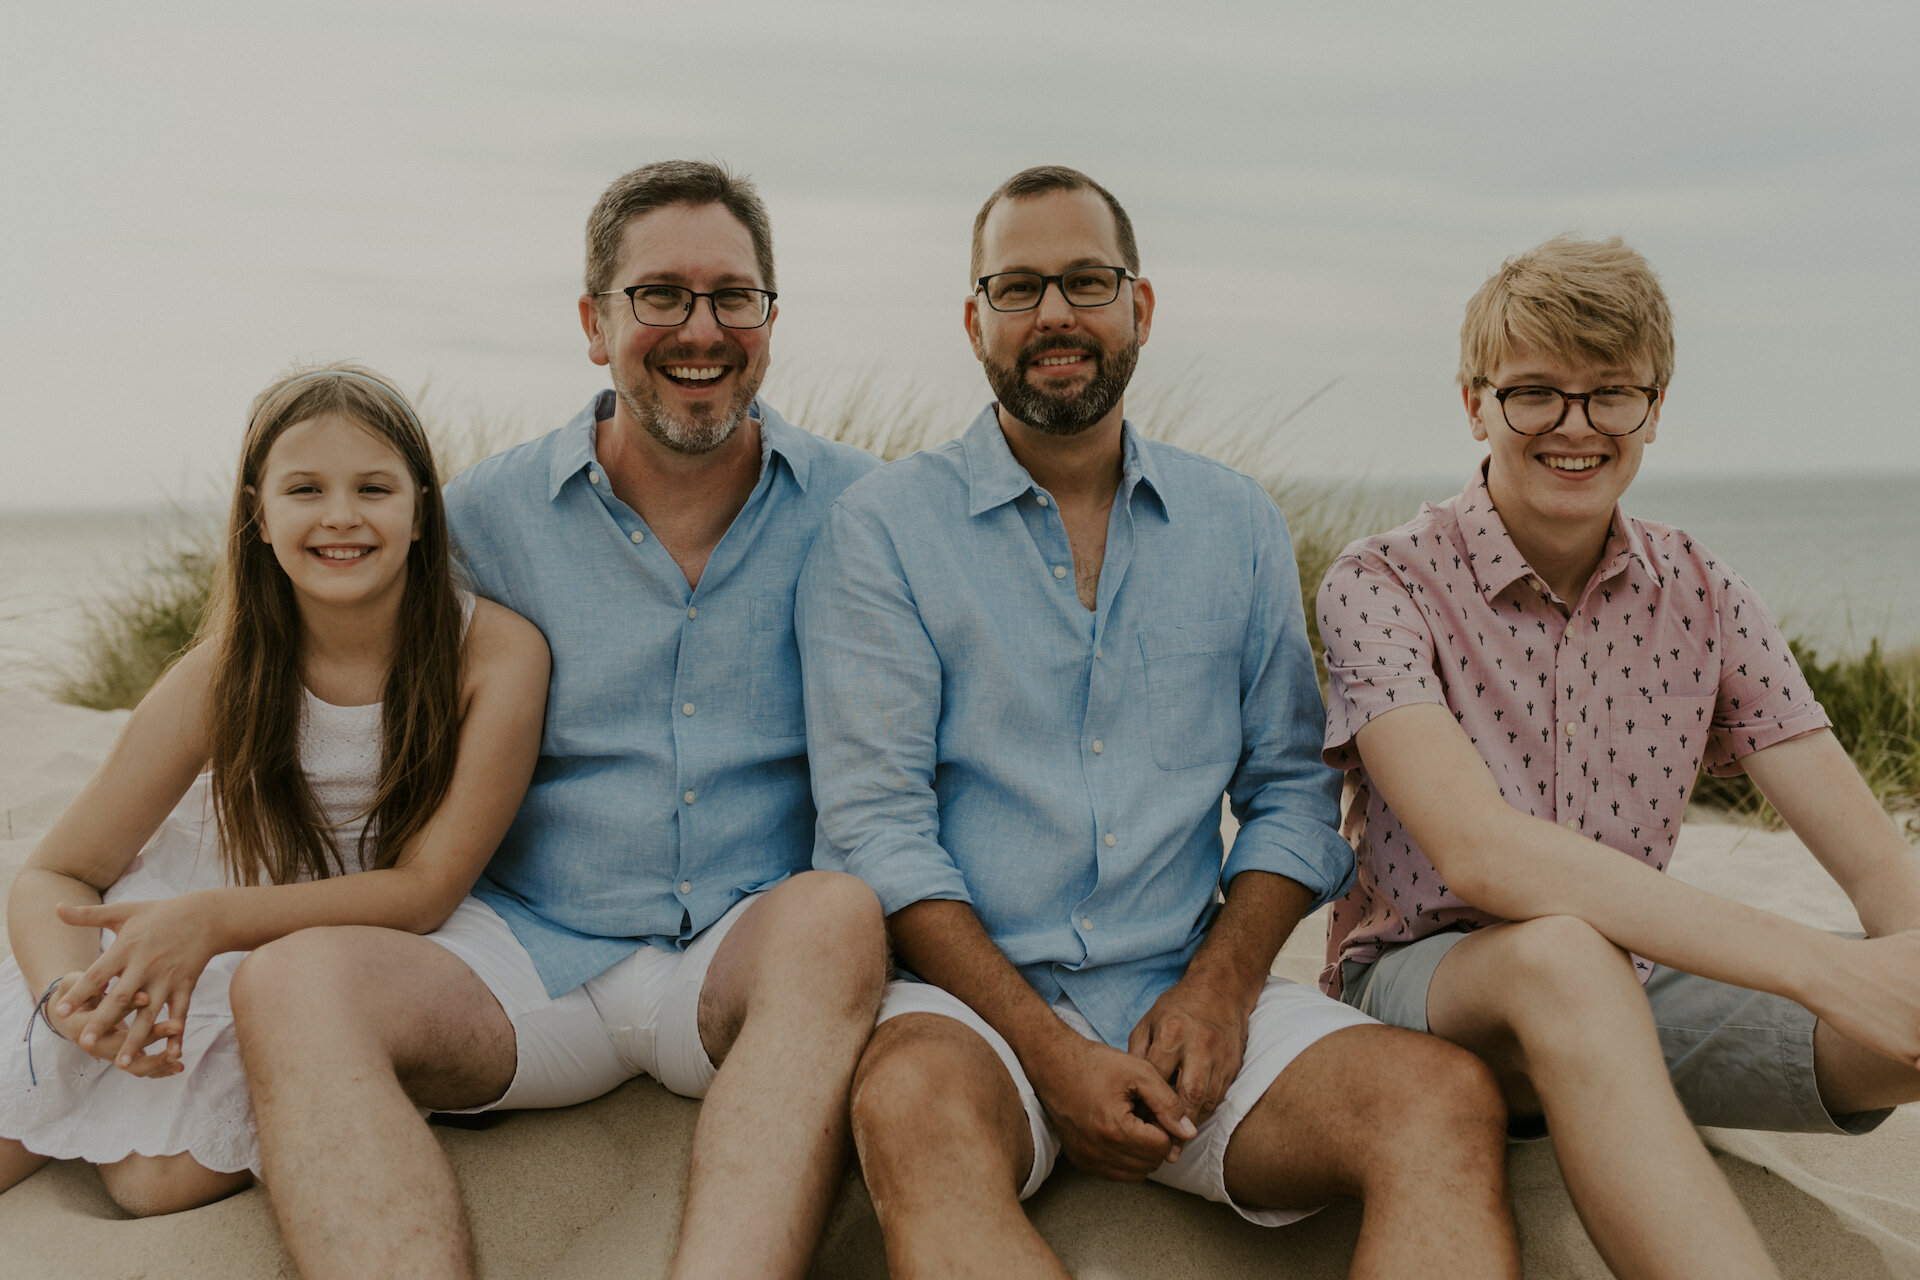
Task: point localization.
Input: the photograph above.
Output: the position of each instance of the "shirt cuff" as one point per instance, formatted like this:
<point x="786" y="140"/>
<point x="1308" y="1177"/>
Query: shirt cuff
<point x="1727" y="747"/>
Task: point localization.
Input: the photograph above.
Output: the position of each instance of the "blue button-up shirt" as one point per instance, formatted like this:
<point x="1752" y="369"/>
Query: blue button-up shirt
<point x="672" y="778"/>
<point x="978" y="735"/>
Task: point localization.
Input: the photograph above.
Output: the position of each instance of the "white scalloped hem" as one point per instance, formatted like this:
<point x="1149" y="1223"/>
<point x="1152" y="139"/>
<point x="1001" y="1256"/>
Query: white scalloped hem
<point x="84" y="1109"/>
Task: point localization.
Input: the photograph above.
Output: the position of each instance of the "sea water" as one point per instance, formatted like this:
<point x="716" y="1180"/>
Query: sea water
<point x="1836" y="558"/>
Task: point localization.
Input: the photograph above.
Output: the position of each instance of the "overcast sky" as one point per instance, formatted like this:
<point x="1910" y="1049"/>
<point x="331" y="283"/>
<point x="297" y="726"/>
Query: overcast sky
<point x="197" y="193"/>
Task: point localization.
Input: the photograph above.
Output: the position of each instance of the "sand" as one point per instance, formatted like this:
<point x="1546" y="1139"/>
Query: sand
<point x="594" y="1191"/>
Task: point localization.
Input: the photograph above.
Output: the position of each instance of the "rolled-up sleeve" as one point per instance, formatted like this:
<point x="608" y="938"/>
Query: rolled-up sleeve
<point x="1286" y="800"/>
<point x="1379" y="653"/>
<point x="1763" y="698"/>
<point x="872" y="682"/>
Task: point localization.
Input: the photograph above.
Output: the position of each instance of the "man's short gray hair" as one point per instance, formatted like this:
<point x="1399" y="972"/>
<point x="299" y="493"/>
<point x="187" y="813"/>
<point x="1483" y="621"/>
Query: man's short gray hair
<point x="669" y="182"/>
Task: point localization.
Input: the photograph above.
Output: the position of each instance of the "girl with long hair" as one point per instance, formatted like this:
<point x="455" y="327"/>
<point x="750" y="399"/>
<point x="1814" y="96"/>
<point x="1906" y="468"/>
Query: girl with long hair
<point x="346" y="708"/>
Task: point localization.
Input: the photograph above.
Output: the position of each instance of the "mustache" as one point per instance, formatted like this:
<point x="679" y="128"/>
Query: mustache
<point x="1059" y="342"/>
<point x="724" y="351"/>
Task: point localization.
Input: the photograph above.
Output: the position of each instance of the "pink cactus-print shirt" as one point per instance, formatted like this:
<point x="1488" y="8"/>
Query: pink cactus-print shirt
<point x="1596" y="717"/>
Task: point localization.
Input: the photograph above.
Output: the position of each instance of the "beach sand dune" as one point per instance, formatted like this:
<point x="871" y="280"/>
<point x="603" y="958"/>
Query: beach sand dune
<point x="594" y="1191"/>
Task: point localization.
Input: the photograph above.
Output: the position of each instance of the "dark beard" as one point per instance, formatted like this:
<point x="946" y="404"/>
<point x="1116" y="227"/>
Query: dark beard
<point x="703" y="433"/>
<point x="1055" y="415"/>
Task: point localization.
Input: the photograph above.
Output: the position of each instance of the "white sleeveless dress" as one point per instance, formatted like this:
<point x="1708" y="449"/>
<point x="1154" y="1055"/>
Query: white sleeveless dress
<point x="70" y="1105"/>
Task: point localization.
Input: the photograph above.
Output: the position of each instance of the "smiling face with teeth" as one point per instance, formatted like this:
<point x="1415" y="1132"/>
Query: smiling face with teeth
<point x="686" y="387"/>
<point x="339" y="508"/>
<point x="1057" y="368"/>
<point x="1558" y="490"/>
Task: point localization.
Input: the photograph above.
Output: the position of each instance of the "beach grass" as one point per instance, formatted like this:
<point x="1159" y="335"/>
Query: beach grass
<point x="1872" y="698"/>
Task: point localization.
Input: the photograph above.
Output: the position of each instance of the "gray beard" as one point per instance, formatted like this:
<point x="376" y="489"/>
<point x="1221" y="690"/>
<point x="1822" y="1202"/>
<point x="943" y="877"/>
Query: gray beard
<point x="1054" y="415"/>
<point x="695" y="436"/>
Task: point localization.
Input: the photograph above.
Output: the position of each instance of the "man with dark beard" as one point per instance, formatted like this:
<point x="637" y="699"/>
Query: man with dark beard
<point x="651" y="910"/>
<point x="1035" y="659"/>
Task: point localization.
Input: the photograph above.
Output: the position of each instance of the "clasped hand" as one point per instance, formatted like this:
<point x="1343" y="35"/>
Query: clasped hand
<point x="1121" y="1115"/>
<point x="112" y="1011"/>
<point x="1873" y="998"/>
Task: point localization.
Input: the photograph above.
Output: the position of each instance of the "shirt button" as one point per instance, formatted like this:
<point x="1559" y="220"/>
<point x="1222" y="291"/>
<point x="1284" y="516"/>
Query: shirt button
<point x="1059" y="571"/>
<point x="593" y="477"/>
<point x="1086" y="922"/>
<point x="1041" y="499"/>
<point x="1098" y="746"/>
<point x="693" y="611"/>
<point x="689" y="797"/>
<point x="637" y="536"/>
<point x="1572" y="824"/>
<point x="1108" y="840"/>
<point x="686" y="708"/>
<point x="1097" y="653"/>
<point x="1569" y="728"/>
<point x="686" y="886"/>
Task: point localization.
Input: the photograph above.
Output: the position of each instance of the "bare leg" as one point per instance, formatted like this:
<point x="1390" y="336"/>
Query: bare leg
<point x="1854" y="1078"/>
<point x="147" y="1186"/>
<point x="1412" y="1126"/>
<point x="787" y="1006"/>
<point x="1554" y="1009"/>
<point x="342" y="1031"/>
<point x="16" y="1163"/>
<point x="946" y="1147"/>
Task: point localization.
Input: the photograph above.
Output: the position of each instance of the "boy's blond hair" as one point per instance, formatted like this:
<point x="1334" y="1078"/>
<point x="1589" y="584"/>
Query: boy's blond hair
<point x="1583" y="301"/>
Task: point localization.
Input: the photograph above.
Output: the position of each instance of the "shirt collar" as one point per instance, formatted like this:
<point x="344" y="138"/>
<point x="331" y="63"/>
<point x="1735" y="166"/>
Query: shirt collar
<point x="995" y="477"/>
<point x="1497" y="564"/>
<point x="574" y="448"/>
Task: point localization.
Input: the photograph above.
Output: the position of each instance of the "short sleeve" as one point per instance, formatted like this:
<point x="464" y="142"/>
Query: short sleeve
<point x="1764" y="697"/>
<point x="1379" y="652"/>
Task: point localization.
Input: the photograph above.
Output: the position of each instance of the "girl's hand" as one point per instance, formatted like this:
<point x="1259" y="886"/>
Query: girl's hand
<point x="107" y="1047"/>
<point x="159" y="950"/>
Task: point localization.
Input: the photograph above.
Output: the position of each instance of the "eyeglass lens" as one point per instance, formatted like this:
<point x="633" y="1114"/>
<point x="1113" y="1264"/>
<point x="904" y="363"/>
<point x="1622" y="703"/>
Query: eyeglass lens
<point x="1611" y="410"/>
<point x="666" y="305"/>
<point x="1021" y="290"/>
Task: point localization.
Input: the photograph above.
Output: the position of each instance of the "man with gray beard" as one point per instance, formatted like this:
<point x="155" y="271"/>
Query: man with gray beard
<point x="1035" y="659"/>
<point x="651" y="910"/>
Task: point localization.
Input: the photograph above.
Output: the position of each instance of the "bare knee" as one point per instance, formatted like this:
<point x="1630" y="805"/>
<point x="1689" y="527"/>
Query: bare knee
<point x="291" y="976"/>
<point x="834" y="920"/>
<point x="1563" y="974"/>
<point x="148" y="1186"/>
<point x="1440" y="1106"/>
<point x="929" y="1087"/>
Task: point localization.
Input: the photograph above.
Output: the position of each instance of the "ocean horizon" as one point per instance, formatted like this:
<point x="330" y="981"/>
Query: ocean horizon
<point x="1836" y="557"/>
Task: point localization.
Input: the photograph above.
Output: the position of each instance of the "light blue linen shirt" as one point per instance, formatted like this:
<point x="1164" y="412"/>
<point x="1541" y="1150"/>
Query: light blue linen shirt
<point x="672" y="778"/>
<point x="978" y="735"/>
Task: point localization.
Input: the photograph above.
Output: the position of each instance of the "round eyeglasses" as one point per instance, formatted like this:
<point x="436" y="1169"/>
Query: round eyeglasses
<point x="665" y="306"/>
<point x="1081" y="287"/>
<point x="1612" y="411"/>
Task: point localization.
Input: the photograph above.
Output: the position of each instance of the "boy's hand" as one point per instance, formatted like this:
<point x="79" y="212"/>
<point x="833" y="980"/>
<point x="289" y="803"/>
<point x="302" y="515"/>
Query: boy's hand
<point x="1870" y="992"/>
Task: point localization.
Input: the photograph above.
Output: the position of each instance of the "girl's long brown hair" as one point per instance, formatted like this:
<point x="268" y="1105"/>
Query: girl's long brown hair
<point x="270" y="826"/>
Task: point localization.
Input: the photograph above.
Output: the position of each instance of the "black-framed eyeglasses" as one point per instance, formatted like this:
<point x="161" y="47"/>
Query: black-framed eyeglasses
<point x="664" y="306"/>
<point x="1081" y="287"/>
<point x="1612" y="411"/>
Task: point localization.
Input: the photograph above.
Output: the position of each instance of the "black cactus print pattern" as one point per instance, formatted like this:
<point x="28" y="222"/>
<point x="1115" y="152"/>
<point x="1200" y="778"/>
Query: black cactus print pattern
<point x="1595" y="714"/>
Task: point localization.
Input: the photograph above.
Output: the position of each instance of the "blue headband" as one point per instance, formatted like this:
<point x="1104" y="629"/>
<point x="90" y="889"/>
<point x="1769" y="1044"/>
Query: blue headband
<point x="372" y="382"/>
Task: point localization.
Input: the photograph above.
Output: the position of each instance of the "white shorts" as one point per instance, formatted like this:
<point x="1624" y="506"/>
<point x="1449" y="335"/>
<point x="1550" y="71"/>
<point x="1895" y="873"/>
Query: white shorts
<point x="641" y="1017"/>
<point x="1288" y="1018"/>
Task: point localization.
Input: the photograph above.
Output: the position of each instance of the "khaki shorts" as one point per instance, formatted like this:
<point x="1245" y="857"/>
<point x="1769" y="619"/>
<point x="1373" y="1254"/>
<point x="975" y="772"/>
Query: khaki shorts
<point x="1739" y="1059"/>
<point x="639" y="1018"/>
<point x="1287" y="1019"/>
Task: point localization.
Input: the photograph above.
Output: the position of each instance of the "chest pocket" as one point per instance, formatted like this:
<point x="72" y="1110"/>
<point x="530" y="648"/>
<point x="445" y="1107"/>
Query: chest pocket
<point x="1193" y="692"/>
<point x="775" y="664"/>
